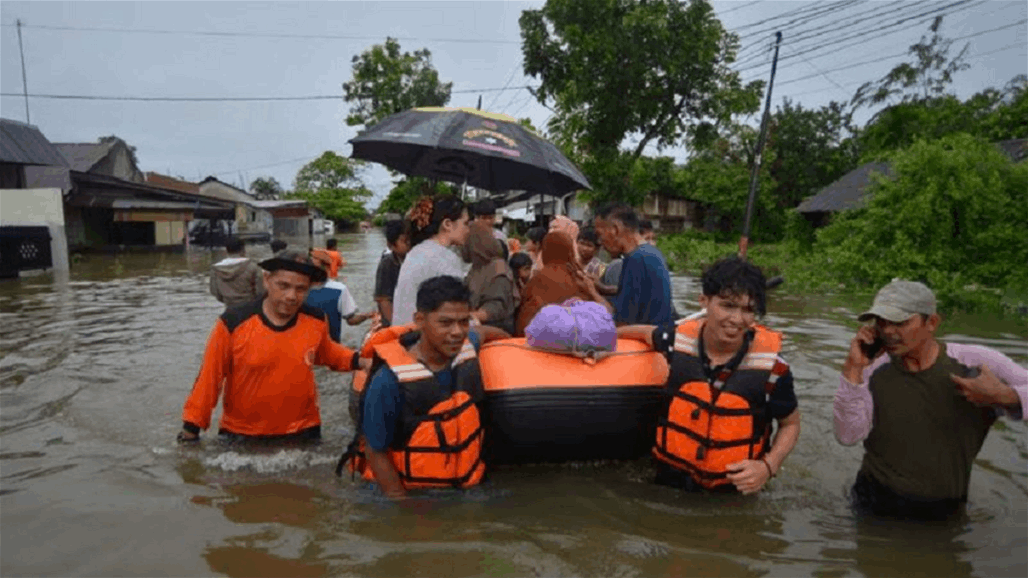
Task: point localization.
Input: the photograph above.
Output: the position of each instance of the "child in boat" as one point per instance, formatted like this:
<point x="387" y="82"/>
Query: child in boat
<point x="521" y="266"/>
<point x="728" y="383"/>
<point x="588" y="245"/>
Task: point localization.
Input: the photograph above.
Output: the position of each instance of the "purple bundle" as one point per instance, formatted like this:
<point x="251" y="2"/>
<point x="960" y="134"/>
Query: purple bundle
<point x="574" y="326"/>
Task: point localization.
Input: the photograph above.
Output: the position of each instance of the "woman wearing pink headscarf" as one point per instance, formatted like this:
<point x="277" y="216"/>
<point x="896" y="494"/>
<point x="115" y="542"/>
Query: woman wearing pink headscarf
<point x="565" y="226"/>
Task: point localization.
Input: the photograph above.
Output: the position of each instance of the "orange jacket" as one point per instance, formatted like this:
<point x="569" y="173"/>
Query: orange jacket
<point x="439" y="441"/>
<point x="707" y="428"/>
<point x="265" y="374"/>
<point x="338" y="262"/>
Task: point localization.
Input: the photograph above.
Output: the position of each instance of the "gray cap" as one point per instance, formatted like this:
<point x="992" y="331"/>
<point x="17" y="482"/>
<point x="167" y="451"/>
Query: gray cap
<point x="901" y="300"/>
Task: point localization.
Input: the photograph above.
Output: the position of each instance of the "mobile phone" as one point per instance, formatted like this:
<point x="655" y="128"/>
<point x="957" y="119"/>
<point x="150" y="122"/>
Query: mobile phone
<point x="871" y="350"/>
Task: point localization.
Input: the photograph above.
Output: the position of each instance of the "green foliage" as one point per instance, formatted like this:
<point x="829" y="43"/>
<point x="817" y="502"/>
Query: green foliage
<point x="610" y="69"/>
<point x="332" y="184"/>
<point x="954" y="215"/>
<point x="266" y="189"/>
<point x="386" y="81"/>
<point x="812" y="148"/>
<point x="406" y="192"/>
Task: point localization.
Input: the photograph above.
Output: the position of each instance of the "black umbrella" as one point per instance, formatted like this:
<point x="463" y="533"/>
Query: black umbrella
<point x="467" y="146"/>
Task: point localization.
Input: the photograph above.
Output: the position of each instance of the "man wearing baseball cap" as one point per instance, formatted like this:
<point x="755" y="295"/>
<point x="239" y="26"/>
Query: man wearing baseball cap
<point x="261" y="355"/>
<point x="921" y="407"/>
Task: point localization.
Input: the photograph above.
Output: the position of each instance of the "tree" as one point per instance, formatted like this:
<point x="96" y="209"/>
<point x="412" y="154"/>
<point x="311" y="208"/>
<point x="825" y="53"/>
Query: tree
<point x="386" y="81"/>
<point x="610" y="69"/>
<point x="266" y="189"/>
<point x="953" y="214"/>
<point x="927" y="77"/>
<point x="406" y="192"/>
<point x="812" y="148"/>
<point x="332" y="184"/>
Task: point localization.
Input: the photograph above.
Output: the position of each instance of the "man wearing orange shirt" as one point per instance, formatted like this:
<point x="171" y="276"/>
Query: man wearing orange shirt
<point x="262" y="355"/>
<point x="338" y="262"/>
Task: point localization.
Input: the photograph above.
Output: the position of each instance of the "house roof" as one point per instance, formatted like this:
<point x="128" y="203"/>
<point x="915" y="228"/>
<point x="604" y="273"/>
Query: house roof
<point x="845" y="193"/>
<point x="83" y="156"/>
<point x="24" y="144"/>
<point x="224" y="191"/>
<point x="167" y="182"/>
<point x="1016" y="149"/>
<point x="286" y="204"/>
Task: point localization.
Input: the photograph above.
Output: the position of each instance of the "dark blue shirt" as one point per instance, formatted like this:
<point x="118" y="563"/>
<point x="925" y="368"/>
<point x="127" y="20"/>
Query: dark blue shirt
<point x="644" y="293"/>
<point x="384" y="398"/>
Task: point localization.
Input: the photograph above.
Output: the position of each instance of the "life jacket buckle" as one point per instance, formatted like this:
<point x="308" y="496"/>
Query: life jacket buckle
<point x="695" y="413"/>
<point x="701" y="453"/>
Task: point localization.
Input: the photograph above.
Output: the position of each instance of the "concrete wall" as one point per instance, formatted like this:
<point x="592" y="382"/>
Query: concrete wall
<point x="292" y="227"/>
<point x="35" y="208"/>
<point x="169" y="232"/>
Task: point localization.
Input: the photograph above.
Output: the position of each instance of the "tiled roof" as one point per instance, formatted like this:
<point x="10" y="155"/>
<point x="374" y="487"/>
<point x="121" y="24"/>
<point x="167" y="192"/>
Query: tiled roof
<point x="845" y="193"/>
<point x="24" y="144"/>
<point x="174" y="184"/>
<point x="83" y="156"/>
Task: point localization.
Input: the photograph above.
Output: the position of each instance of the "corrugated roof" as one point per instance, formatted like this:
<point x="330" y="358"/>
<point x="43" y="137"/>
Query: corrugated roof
<point x="278" y="204"/>
<point x="845" y="193"/>
<point x="215" y="189"/>
<point x="24" y="144"/>
<point x="83" y="156"/>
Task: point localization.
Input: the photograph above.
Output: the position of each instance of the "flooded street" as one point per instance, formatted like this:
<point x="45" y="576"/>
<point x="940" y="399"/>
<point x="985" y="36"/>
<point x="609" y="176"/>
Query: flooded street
<point x="94" y="371"/>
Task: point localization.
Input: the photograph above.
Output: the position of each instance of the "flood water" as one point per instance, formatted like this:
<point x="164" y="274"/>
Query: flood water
<point x="94" y="371"/>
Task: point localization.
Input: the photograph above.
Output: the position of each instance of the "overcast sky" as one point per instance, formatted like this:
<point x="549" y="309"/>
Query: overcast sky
<point x="154" y="49"/>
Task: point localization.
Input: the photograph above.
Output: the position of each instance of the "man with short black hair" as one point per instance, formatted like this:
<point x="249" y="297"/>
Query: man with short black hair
<point x="646" y="230"/>
<point x="485" y="212"/>
<point x="919" y="406"/>
<point x="728" y="384"/>
<point x="261" y="356"/>
<point x="425" y="382"/>
<point x="644" y="290"/>
<point x="236" y="279"/>
<point x="389" y="268"/>
<point x="338" y="262"/>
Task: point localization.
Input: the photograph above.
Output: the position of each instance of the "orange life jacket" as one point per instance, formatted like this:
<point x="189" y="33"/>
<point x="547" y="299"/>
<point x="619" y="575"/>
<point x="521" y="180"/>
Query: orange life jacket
<point x="438" y="440"/>
<point x="361" y="376"/>
<point x="708" y="427"/>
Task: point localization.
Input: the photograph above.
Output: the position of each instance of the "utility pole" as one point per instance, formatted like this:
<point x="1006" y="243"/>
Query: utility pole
<point x="744" y="240"/>
<point x="24" y="83"/>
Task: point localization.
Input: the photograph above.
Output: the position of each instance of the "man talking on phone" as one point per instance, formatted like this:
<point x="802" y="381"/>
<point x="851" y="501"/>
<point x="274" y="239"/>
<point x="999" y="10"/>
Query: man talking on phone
<point x="921" y="407"/>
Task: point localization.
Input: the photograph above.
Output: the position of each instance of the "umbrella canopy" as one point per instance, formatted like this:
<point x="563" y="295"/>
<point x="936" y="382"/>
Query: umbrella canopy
<point x="464" y="145"/>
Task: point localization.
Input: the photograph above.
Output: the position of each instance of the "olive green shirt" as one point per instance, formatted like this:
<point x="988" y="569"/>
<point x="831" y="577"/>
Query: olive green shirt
<point x="924" y="435"/>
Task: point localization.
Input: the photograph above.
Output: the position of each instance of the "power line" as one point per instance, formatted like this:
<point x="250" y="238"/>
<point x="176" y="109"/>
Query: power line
<point x="278" y="164"/>
<point x="218" y="98"/>
<point x="283" y="35"/>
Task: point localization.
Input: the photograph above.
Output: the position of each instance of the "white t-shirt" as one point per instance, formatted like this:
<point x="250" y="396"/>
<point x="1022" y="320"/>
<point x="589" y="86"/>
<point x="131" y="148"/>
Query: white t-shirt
<point x="347" y="306"/>
<point x="428" y="259"/>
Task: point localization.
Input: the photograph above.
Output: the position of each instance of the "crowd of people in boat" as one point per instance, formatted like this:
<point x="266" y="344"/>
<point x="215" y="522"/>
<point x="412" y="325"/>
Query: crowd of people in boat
<point x="451" y="282"/>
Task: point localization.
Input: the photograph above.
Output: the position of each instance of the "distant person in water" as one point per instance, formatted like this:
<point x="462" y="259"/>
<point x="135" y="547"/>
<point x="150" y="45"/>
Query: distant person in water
<point x="728" y="384"/>
<point x="261" y="356"/>
<point x="236" y="279"/>
<point x="334" y="299"/>
<point x="277" y="246"/>
<point x="338" y="262"/>
<point x="912" y="400"/>
<point x="388" y="272"/>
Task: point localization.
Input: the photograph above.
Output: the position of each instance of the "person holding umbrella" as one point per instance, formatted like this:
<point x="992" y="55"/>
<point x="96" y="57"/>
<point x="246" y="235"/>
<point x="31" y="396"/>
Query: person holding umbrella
<point x="435" y="224"/>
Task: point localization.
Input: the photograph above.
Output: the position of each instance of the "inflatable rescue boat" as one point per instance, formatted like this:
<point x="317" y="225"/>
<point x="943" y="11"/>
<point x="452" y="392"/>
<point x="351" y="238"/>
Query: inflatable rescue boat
<point x="542" y="406"/>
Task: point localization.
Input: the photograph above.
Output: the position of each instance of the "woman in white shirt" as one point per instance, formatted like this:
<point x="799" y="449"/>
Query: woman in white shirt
<point x="434" y="225"/>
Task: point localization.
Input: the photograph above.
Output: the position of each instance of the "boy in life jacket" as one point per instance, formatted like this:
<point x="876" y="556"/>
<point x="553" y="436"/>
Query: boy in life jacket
<point x="419" y="422"/>
<point x="726" y="386"/>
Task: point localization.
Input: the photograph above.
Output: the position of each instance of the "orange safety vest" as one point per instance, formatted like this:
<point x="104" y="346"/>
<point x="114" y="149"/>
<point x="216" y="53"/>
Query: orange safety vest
<point x="438" y="440"/>
<point x="707" y="427"/>
<point x="360" y="376"/>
